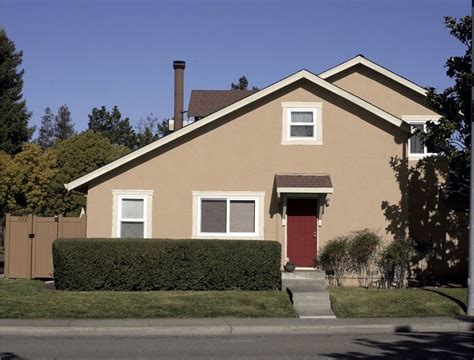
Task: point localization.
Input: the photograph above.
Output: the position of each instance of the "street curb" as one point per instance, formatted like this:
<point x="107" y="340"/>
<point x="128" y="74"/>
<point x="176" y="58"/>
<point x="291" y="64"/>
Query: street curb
<point x="229" y="327"/>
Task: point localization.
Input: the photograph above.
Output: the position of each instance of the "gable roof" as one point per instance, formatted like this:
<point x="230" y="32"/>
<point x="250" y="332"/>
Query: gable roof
<point x="361" y="60"/>
<point x="205" y="102"/>
<point x="302" y="74"/>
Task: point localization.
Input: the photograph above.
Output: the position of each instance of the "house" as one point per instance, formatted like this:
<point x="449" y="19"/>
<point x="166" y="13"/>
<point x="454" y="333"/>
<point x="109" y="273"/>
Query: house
<point x="301" y="161"/>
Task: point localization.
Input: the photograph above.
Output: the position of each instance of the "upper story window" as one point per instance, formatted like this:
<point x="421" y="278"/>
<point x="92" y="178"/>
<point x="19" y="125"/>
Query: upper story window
<point x="417" y="149"/>
<point x="302" y="123"/>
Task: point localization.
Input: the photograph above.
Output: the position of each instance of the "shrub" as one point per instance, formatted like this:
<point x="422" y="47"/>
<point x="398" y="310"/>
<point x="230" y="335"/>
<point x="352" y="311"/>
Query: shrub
<point x="363" y="248"/>
<point x="334" y="259"/>
<point x="394" y="262"/>
<point x="154" y="264"/>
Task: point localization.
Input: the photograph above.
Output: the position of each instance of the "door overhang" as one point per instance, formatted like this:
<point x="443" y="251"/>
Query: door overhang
<point x="303" y="184"/>
<point x="314" y="186"/>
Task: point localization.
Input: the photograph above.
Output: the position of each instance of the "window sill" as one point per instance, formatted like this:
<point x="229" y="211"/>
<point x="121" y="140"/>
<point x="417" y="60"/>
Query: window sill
<point x="301" y="142"/>
<point x="228" y="237"/>
<point x="414" y="157"/>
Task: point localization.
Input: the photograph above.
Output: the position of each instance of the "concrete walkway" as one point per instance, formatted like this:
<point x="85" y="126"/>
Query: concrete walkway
<point x="231" y="326"/>
<point x="307" y="290"/>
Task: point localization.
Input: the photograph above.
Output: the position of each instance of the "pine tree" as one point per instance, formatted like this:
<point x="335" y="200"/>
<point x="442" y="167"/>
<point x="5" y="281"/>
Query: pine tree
<point x="46" y="131"/>
<point x="243" y="84"/>
<point x="111" y="124"/>
<point x="163" y="128"/>
<point x="14" y="115"/>
<point x="63" y="125"/>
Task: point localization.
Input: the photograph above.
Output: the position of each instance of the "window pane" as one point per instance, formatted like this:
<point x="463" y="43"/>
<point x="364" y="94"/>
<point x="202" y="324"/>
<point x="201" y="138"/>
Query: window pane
<point x="416" y="146"/>
<point x="132" y="208"/>
<point x="131" y="230"/>
<point x="302" y="116"/>
<point x="242" y="216"/>
<point x="213" y="216"/>
<point x="301" y="131"/>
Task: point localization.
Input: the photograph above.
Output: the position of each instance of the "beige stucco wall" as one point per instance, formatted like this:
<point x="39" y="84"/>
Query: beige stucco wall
<point x="381" y="91"/>
<point x="243" y="152"/>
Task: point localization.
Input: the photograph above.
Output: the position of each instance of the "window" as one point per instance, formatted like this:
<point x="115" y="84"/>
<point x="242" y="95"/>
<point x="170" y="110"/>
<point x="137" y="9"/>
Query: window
<point x="132" y="213"/>
<point x="302" y="123"/>
<point x="132" y="217"/>
<point x="416" y="146"/>
<point x="228" y="215"/>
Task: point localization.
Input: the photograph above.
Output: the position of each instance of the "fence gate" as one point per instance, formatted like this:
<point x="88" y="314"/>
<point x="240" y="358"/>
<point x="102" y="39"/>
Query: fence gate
<point x="28" y="243"/>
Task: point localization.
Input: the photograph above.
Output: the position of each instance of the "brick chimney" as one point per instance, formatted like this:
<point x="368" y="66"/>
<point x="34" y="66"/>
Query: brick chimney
<point x="178" y="67"/>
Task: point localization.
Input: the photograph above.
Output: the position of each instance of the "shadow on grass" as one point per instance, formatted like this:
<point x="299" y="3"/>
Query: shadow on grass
<point x="462" y="305"/>
<point x="414" y="346"/>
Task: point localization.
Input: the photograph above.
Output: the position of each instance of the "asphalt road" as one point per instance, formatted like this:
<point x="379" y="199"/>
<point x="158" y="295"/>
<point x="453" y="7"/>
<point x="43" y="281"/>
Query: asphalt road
<point x="403" y="346"/>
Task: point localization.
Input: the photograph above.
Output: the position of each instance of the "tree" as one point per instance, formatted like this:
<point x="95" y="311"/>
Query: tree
<point x="147" y="130"/>
<point x="77" y="156"/>
<point x="163" y="128"/>
<point x="63" y="125"/>
<point x="243" y="84"/>
<point x="452" y="133"/>
<point x="46" y="131"/>
<point x="25" y="180"/>
<point x="151" y="129"/>
<point x="14" y="115"/>
<point x="112" y="126"/>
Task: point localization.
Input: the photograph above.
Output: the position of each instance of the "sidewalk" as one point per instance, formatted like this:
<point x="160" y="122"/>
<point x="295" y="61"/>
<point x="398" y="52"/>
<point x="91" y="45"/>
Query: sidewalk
<point x="230" y="326"/>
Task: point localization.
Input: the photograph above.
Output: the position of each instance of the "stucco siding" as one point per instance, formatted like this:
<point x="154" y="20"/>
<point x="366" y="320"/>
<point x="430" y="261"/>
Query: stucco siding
<point x="381" y="91"/>
<point x="243" y="152"/>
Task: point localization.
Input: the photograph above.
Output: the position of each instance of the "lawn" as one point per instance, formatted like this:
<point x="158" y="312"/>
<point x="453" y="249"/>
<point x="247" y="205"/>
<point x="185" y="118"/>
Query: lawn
<point x="364" y="303"/>
<point x="33" y="299"/>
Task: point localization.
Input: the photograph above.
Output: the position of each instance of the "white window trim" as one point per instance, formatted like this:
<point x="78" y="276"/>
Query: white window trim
<point x="419" y="120"/>
<point x="256" y="196"/>
<point x="288" y="108"/>
<point x="118" y="196"/>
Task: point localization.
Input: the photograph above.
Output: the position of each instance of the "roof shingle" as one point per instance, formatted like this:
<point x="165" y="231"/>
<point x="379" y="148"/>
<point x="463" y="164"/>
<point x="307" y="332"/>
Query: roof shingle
<point x="206" y="102"/>
<point x="303" y="181"/>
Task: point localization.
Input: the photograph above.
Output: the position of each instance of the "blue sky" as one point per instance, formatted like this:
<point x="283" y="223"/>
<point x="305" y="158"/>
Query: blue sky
<point x="88" y="53"/>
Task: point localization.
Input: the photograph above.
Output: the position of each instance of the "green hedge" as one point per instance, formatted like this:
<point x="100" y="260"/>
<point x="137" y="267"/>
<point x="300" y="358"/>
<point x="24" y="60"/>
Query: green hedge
<point x="156" y="264"/>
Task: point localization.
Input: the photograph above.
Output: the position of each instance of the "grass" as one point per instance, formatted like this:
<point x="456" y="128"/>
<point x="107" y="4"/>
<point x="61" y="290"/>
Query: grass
<point x="33" y="299"/>
<point x="364" y="303"/>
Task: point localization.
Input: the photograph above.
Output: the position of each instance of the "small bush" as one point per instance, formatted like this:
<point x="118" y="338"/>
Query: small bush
<point x="394" y="262"/>
<point x="154" y="264"/>
<point x="334" y="259"/>
<point x="363" y="248"/>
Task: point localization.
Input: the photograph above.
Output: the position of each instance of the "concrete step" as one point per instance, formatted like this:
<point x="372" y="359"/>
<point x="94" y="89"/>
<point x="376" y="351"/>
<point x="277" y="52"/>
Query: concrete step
<point x="312" y="313"/>
<point x="301" y="275"/>
<point x="304" y="284"/>
<point x="310" y="296"/>
<point x="308" y="289"/>
<point x="315" y="304"/>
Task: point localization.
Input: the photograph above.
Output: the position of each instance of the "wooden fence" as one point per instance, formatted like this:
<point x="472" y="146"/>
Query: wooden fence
<point x="28" y="243"/>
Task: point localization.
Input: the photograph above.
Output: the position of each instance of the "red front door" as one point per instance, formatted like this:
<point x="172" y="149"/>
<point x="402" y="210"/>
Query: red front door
<point x="301" y="231"/>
